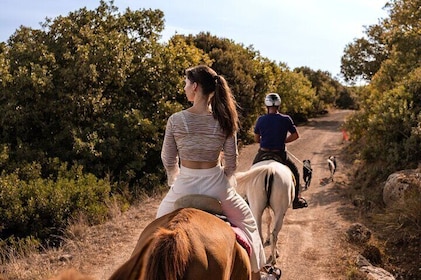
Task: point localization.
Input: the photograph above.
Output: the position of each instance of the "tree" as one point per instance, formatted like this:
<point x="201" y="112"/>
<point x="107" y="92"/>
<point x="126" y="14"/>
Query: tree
<point x="73" y="92"/>
<point x="328" y="90"/>
<point x="363" y="57"/>
<point x="388" y="124"/>
<point x="296" y="93"/>
<point x="402" y="30"/>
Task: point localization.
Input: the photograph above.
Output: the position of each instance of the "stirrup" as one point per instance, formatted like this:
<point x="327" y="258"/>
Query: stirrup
<point x="301" y="203"/>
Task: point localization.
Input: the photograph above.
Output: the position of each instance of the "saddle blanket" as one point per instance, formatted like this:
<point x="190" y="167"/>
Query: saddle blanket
<point x="242" y="239"/>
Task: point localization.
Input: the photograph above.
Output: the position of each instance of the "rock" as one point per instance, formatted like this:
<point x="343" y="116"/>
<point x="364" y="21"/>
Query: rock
<point x="358" y="200"/>
<point x="358" y="233"/>
<point x="373" y="272"/>
<point x="373" y="254"/>
<point x="398" y="183"/>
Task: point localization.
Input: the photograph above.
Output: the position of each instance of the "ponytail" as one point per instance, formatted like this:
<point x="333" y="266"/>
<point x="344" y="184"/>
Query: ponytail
<point x="224" y="107"/>
<point x="223" y="104"/>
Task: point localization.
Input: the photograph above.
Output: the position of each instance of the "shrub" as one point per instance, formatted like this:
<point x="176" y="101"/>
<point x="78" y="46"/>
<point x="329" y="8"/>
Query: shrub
<point x="42" y="208"/>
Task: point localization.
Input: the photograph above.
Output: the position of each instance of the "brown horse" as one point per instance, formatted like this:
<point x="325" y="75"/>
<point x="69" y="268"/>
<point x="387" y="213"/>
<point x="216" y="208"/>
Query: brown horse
<point x="186" y="244"/>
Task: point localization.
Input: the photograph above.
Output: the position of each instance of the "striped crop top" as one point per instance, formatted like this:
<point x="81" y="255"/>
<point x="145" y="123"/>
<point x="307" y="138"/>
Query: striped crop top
<point x="195" y="137"/>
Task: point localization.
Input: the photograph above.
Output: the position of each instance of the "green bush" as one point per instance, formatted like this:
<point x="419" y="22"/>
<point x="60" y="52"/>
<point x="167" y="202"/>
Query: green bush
<point x="42" y="208"/>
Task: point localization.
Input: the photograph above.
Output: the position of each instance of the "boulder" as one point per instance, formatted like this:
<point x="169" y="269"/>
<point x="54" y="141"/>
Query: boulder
<point x="398" y="183"/>
<point x="373" y="272"/>
<point x="358" y="233"/>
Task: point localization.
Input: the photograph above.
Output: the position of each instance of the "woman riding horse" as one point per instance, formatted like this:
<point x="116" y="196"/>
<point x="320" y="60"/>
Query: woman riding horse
<point x="195" y="138"/>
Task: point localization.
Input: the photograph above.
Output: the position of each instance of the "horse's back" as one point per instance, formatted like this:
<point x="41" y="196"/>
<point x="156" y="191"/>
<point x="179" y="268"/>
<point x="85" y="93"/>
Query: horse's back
<point x="272" y="163"/>
<point x="281" y="169"/>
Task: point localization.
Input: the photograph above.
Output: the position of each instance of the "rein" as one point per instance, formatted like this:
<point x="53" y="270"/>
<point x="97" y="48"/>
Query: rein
<point x="298" y="160"/>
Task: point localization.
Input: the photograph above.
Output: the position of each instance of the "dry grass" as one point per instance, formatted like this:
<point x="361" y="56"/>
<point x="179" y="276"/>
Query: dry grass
<point x="83" y="247"/>
<point x="396" y="230"/>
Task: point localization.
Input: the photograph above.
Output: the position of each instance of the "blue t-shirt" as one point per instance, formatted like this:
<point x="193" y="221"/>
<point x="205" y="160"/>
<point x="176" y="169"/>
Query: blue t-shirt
<point x="273" y="130"/>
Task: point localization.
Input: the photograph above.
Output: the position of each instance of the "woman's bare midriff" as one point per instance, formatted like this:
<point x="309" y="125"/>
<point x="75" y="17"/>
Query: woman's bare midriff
<point x="199" y="164"/>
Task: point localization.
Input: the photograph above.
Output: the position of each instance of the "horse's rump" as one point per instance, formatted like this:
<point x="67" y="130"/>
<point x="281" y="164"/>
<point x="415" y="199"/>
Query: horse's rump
<point x="186" y="244"/>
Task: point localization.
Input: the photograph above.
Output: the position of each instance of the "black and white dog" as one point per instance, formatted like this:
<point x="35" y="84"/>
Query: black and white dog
<point x="307" y="173"/>
<point x="331" y="161"/>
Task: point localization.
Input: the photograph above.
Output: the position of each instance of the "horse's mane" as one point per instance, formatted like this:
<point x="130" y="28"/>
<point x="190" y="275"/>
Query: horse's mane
<point x="170" y="254"/>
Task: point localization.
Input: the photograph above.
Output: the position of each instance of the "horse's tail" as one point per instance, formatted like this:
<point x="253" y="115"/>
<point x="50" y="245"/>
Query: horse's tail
<point x="269" y="177"/>
<point x="170" y="255"/>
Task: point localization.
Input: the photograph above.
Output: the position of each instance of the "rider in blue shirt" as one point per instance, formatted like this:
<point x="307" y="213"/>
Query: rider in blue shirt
<point x="273" y="131"/>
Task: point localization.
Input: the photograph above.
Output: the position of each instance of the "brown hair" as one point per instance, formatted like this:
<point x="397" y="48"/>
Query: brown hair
<point x="224" y="106"/>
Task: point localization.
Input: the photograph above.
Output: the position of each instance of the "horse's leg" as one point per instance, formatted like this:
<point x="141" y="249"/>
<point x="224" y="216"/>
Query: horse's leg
<point x="279" y="221"/>
<point x="268" y="223"/>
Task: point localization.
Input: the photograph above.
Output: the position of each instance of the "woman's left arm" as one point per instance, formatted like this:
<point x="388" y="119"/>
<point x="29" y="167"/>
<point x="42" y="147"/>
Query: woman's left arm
<point x="230" y="155"/>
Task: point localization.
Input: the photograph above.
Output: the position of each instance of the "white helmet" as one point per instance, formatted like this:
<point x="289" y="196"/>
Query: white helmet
<point x="272" y="99"/>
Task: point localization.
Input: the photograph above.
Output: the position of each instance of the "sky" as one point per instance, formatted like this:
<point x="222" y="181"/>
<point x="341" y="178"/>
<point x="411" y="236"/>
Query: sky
<point x="312" y="33"/>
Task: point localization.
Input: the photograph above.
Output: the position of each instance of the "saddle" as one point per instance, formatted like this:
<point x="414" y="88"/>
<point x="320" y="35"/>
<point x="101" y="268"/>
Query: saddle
<point x="199" y="201"/>
<point x="213" y="206"/>
<point x="272" y="156"/>
<point x="269" y="156"/>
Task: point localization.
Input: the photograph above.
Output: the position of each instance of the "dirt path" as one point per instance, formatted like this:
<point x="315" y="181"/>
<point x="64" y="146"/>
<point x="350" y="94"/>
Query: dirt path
<point x="312" y="241"/>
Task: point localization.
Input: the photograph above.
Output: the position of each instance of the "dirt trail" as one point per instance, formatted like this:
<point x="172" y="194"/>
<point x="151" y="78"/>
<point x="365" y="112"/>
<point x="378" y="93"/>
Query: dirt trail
<point x="312" y="241"/>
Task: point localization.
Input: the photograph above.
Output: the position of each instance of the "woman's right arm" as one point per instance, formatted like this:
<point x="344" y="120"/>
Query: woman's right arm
<point x="169" y="153"/>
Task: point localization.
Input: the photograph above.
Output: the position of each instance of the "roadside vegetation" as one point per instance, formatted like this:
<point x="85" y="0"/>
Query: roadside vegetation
<point x="386" y="130"/>
<point x="85" y="100"/>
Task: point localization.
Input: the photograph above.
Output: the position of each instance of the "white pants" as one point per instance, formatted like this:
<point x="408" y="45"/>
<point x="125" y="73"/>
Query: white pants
<point x="213" y="182"/>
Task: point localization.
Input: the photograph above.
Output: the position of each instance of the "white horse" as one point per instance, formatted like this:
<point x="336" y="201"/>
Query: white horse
<point x="268" y="184"/>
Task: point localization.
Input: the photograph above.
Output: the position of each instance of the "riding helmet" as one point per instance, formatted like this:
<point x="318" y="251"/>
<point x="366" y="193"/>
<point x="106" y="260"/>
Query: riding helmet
<point x="272" y="99"/>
